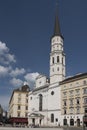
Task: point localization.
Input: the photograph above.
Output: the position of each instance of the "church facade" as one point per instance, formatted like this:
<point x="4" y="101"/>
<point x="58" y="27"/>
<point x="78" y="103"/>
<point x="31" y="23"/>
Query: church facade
<point x="47" y="104"/>
<point x="44" y="100"/>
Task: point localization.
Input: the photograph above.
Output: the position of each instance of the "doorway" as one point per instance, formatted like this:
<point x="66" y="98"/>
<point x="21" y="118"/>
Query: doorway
<point x="78" y="122"/>
<point x="71" y="122"/>
<point x="33" y="121"/>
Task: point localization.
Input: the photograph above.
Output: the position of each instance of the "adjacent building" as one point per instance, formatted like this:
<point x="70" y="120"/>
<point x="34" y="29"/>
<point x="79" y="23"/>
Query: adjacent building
<point x="74" y="99"/>
<point x="18" y="106"/>
<point x="1" y="113"/>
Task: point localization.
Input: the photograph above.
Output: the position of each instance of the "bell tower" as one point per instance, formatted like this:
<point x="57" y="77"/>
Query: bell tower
<point x="57" y="55"/>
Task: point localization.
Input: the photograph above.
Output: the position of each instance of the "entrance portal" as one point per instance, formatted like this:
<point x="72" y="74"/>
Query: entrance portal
<point x="78" y="122"/>
<point x="71" y="122"/>
<point x="64" y="121"/>
<point x="33" y="121"/>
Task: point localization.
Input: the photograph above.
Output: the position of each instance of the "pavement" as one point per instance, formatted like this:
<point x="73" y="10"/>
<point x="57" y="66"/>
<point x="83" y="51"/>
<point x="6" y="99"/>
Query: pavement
<point x="14" y="128"/>
<point x="20" y="128"/>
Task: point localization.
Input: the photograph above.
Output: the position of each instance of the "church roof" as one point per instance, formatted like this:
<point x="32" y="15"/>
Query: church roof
<point x="57" y="31"/>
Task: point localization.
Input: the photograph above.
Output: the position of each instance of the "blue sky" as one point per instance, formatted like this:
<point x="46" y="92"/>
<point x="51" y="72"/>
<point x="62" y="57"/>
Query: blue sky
<point x="26" y="27"/>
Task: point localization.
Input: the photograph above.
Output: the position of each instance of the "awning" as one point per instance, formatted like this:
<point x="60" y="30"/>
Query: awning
<point x="18" y="120"/>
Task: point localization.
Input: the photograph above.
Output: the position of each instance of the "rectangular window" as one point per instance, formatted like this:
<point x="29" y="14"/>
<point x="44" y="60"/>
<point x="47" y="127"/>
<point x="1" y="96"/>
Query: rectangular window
<point x="85" y="90"/>
<point x="19" y="100"/>
<point x="85" y="100"/>
<point x="85" y="110"/>
<point x="78" y="110"/>
<point x="71" y="110"/>
<point x="19" y="95"/>
<point x="18" y="114"/>
<point x="26" y="107"/>
<point x="65" y="103"/>
<point x="77" y="91"/>
<point x="64" y="93"/>
<point x="71" y="102"/>
<point x="26" y="114"/>
<point x="19" y="107"/>
<point x="77" y="100"/>
<point x="71" y="92"/>
<point x="26" y="100"/>
<point x="84" y="82"/>
<point x="27" y="95"/>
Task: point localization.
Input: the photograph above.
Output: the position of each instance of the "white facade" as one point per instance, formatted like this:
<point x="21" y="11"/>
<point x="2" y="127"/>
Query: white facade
<point x="34" y="97"/>
<point x="45" y="99"/>
<point x="57" y="60"/>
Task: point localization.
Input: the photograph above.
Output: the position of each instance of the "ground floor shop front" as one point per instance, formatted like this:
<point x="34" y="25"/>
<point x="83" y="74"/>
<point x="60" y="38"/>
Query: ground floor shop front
<point x="16" y="121"/>
<point x="75" y="120"/>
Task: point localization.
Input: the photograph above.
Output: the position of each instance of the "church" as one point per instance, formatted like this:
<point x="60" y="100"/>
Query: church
<point x="47" y="104"/>
<point x="44" y="99"/>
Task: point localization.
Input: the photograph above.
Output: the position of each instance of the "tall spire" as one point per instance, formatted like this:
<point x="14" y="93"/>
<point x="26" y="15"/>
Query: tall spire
<point x="57" y="31"/>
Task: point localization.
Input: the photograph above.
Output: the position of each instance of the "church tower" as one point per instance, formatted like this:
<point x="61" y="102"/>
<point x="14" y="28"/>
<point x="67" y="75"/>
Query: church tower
<point x="57" y="55"/>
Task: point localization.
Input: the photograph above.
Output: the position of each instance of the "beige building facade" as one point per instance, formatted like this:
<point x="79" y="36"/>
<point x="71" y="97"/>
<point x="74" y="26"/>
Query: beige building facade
<point x="74" y="99"/>
<point x="18" y="106"/>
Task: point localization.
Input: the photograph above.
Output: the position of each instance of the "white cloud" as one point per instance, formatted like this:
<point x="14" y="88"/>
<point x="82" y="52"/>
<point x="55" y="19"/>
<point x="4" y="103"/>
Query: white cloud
<point x="4" y="70"/>
<point x="3" y="48"/>
<point x="17" y="72"/>
<point x="16" y="82"/>
<point x="31" y="77"/>
<point x="10" y="58"/>
<point x="5" y="56"/>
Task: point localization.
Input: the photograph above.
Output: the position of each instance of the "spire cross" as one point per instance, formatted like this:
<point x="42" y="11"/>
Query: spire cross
<point x="57" y="5"/>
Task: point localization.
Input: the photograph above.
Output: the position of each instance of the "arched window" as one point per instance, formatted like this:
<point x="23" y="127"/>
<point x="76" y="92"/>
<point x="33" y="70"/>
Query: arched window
<point x="57" y="59"/>
<point x="40" y="102"/>
<point x="53" y="60"/>
<point x="62" y="60"/>
<point x="57" y="68"/>
<point x="52" y="117"/>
